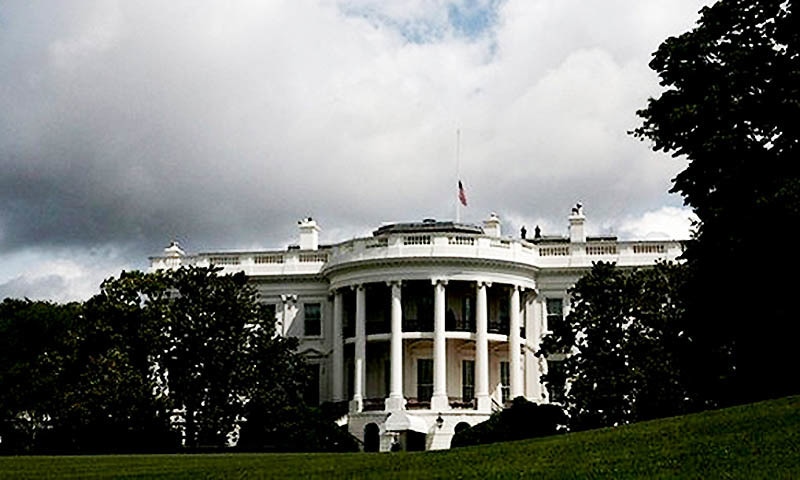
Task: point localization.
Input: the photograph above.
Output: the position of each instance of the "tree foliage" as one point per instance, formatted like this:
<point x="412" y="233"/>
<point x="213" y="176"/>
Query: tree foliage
<point x="620" y="343"/>
<point x="36" y="343"/>
<point x="113" y="373"/>
<point x="523" y="419"/>
<point x="730" y="107"/>
<point x="223" y="355"/>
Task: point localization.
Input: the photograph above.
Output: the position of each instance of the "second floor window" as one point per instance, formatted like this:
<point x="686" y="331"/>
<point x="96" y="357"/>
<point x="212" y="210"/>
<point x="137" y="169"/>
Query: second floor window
<point x="312" y="323"/>
<point x="555" y="312"/>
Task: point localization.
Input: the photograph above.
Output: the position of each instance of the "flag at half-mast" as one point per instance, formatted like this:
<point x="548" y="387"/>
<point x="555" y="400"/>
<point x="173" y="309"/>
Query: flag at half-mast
<point x="462" y="195"/>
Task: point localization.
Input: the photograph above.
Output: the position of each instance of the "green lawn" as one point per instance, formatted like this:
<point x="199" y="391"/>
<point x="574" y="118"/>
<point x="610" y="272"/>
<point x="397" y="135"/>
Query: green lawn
<point x="753" y="441"/>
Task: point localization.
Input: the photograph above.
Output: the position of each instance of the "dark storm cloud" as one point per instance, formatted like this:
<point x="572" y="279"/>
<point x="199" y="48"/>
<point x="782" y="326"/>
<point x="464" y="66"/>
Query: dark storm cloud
<point x="127" y="124"/>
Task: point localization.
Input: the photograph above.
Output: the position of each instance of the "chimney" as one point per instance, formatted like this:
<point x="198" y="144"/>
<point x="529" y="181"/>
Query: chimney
<point x="491" y="226"/>
<point x="309" y="234"/>
<point x="174" y="250"/>
<point x="576" y="221"/>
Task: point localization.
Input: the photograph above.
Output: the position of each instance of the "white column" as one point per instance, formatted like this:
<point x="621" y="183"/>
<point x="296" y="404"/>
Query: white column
<point x="482" y="349"/>
<point x="439" y="400"/>
<point x="514" y="350"/>
<point x="359" y="372"/>
<point x="396" y="400"/>
<point x="337" y="376"/>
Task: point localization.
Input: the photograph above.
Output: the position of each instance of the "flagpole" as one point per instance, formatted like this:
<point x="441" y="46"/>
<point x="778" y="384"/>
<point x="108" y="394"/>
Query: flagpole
<point x="458" y="173"/>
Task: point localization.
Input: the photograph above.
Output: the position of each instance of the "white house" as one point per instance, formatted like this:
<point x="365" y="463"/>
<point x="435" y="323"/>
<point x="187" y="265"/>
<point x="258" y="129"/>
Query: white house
<point x="424" y="328"/>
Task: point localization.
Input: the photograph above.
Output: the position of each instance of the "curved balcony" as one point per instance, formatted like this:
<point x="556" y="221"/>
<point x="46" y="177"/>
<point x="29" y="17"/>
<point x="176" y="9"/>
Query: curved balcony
<point x="329" y="260"/>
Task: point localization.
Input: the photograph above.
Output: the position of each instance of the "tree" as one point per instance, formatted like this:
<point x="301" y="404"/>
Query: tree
<point x="523" y="419"/>
<point x="112" y="396"/>
<point x="224" y="356"/>
<point x="112" y="373"/>
<point x="35" y="345"/>
<point x="730" y="108"/>
<point x="620" y="343"/>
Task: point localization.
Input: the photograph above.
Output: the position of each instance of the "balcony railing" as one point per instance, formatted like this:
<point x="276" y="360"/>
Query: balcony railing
<point x="499" y="326"/>
<point x="374" y="404"/>
<point x="348" y="331"/>
<point x="430" y="245"/>
<point x="460" y="325"/>
<point x="418" y="325"/>
<point x="464" y="404"/>
<point x="418" y="403"/>
<point x="373" y="328"/>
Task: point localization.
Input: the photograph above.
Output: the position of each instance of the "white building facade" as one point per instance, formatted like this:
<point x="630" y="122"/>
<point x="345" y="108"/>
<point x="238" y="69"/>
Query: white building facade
<point x="424" y="328"/>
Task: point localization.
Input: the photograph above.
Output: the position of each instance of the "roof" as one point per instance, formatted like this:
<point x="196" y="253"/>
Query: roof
<point x="428" y="225"/>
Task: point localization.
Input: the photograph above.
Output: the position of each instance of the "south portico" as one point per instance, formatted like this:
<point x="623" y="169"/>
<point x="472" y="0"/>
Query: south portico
<point x="441" y="367"/>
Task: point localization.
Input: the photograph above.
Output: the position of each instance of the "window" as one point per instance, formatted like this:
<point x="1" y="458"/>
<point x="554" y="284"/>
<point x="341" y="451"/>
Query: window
<point x="505" y="382"/>
<point x="269" y="309"/>
<point x="467" y="380"/>
<point x="467" y="315"/>
<point x="502" y="314"/>
<point x="424" y="379"/>
<point x="350" y="368"/>
<point x="349" y="314"/>
<point x="312" y="316"/>
<point x="555" y="312"/>
<point x="311" y="393"/>
<point x="556" y="378"/>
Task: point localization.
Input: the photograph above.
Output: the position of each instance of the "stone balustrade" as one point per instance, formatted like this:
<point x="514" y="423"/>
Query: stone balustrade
<point x="545" y="254"/>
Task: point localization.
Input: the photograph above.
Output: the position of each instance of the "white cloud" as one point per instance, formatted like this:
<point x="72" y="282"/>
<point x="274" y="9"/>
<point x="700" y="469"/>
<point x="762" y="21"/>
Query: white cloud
<point x="64" y="276"/>
<point x="131" y="123"/>
<point x="667" y="223"/>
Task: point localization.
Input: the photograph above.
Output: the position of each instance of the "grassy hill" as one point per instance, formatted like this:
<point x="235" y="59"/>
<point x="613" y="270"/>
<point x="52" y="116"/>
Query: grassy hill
<point x="761" y="440"/>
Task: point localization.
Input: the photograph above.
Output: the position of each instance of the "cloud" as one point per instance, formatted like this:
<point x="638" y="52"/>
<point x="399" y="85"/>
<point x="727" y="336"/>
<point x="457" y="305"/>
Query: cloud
<point x="666" y="223"/>
<point x="60" y="276"/>
<point x="132" y="123"/>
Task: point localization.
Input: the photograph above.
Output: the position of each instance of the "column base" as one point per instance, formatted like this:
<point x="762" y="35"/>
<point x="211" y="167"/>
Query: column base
<point x="395" y="403"/>
<point x="440" y="402"/>
<point x="484" y="403"/>
<point x="356" y="405"/>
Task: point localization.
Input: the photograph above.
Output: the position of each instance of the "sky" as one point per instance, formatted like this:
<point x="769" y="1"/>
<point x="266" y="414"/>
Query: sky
<point x="126" y="125"/>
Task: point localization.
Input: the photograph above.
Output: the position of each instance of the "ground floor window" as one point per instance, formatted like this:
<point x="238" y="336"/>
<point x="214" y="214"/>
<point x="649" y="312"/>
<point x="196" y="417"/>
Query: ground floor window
<point x="557" y="374"/>
<point x="467" y="380"/>
<point x="311" y="393"/>
<point x="424" y="379"/>
<point x="505" y="382"/>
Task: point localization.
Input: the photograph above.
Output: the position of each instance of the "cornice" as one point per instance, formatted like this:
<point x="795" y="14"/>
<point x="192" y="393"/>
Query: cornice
<point x="429" y="261"/>
<point x="290" y="278"/>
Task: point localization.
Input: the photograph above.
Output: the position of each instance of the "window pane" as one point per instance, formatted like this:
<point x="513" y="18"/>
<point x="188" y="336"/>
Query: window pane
<point x="424" y="379"/>
<point x="467" y="380"/>
<point x="312" y="319"/>
<point x="505" y="382"/>
<point x="555" y="312"/>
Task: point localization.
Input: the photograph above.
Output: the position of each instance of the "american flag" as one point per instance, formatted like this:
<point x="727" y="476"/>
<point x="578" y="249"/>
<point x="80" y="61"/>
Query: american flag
<point x="462" y="195"/>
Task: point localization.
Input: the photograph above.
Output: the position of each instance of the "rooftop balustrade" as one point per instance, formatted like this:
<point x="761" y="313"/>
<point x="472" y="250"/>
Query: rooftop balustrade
<point x="554" y="254"/>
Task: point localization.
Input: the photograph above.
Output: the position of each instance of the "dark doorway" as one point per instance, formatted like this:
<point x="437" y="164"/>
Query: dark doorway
<point x="415" y="441"/>
<point x="372" y="438"/>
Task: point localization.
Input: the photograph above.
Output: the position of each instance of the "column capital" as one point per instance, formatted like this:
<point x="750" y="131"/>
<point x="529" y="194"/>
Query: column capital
<point x="438" y="281"/>
<point x="483" y="283"/>
<point x="393" y="283"/>
<point x="357" y="286"/>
